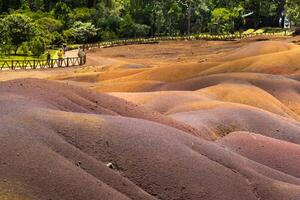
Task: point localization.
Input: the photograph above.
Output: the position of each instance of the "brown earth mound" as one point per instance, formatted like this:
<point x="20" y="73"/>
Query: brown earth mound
<point x="70" y="98"/>
<point x="167" y="102"/>
<point x="172" y="62"/>
<point x="51" y="151"/>
<point x="269" y="57"/>
<point x="262" y="149"/>
<point x="229" y="118"/>
<point x="179" y="137"/>
<point x="218" y="118"/>
<point x="258" y="49"/>
<point x="282" y="88"/>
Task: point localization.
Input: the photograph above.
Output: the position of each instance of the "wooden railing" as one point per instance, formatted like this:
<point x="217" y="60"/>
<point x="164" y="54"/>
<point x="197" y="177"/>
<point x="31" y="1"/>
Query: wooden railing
<point x="119" y="43"/>
<point x="77" y="61"/>
<point x="154" y="40"/>
<point x="41" y="64"/>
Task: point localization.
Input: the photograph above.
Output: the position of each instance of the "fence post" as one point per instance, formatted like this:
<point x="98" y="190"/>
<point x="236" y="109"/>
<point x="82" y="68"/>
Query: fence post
<point x="12" y="64"/>
<point x="67" y="62"/>
<point x="33" y="64"/>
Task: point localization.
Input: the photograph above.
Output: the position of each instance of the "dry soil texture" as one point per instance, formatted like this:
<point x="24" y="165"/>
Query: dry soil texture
<point x="176" y="120"/>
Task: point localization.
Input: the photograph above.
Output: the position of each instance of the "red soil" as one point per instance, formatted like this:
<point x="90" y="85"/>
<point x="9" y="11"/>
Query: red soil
<point x="276" y="154"/>
<point x="194" y="130"/>
<point x="153" y="161"/>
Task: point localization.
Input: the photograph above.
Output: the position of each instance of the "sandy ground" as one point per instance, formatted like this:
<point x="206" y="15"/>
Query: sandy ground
<point x="177" y="120"/>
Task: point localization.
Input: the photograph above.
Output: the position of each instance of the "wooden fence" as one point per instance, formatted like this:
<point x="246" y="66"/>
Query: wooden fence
<point x="77" y="61"/>
<point x="41" y="64"/>
<point x="118" y="43"/>
<point x="155" y="40"/>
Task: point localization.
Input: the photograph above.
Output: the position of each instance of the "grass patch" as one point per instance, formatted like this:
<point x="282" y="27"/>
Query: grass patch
<point x="260" y="31"/>
<point x="7" y="60"/>
<point x="249" y="31"/>
<point x="23" y="57"/>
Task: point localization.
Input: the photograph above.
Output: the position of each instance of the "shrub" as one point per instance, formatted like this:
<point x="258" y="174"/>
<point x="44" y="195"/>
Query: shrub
<point x="227" y="18"/>
<point x="260" y="31"/>
<point x="249" y="31"/>
<point x="69" y="36"/>
<point x="37" y="46"/>
<point x="83" y="14"/>
<point x="19" y="29"/>
<point x="141" y="30"/>
<point x="108" y="35"/>
<point x="25" y="49"/>
<point x="50" y="24"/>
<point x="84" y="32"/>
<point x="57" y="39"/>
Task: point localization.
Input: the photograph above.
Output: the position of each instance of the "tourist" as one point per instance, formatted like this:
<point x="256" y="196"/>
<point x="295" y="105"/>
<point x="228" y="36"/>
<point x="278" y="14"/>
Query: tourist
<point x="64" y="49"/>
<point x="81" y="55"/>
<point x="84" y="56"/>
<point x="60" y="57"/>
<point x="48" y="58"/>
<point x="79" y="51"/>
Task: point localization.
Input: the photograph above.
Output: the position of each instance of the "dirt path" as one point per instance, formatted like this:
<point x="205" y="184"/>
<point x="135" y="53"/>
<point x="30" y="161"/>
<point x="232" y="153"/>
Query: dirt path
<point x="72" y="53"/>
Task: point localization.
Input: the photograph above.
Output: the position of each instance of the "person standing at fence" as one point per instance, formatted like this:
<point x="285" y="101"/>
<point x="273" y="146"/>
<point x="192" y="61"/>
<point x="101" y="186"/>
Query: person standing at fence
<point x="48" y="58"/>
<point x="60" y="58"/>
<point x="84" y="57"/>
<point x="81" y="55"/>
<point x="64" y="49"/>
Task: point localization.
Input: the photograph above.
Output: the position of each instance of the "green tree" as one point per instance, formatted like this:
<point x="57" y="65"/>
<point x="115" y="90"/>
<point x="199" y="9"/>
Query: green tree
<point x="127" y="26"/>
<point x="57" y="39"/>
<point x="25" y="5"/>
<point x="36" y="5"/>
<point x="293" y="11"/>
<point x="84" y="32"/>
<point x="49" y="24"/>
<point x="141" y="30"/>
<point x="225" y="18"/>
<point x="4" y="40"/>
<point x="155" y="13"/>
<point x="19" y="29"/>
<point x="62" y="12"/>
<point x="25" y="49"/>
<point x="37" y="46"/>
<point x="130" y="18"/>
<point x="83" y="14"/>
<point x="69" y="36"/>
<point x="174" y="13"/>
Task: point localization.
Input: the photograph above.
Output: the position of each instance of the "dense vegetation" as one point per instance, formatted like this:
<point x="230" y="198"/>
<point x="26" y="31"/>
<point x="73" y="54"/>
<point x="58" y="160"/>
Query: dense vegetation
<point x="30" y="26"/>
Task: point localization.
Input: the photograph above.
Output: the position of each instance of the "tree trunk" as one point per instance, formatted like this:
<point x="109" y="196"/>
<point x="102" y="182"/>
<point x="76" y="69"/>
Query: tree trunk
<point x="16" y="50"/>
<point x="189" y="22"/>
<point x="280" y="10"/>
<point x="189" y="19"/>
<point x="153" y="26"/>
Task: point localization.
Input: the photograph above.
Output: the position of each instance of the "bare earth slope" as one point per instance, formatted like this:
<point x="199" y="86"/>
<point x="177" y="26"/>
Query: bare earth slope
<point x="261" y="149"/>
<point x="178" y="120"/>
<point x="50" y="151"/>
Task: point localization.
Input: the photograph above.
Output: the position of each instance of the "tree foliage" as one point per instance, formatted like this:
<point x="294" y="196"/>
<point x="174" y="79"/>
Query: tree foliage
<point x="83" y="32"/>
<point x="19" y="29"/>
<point x="293" y="10"/>
<point x="59" y="21"/>
<point x="227" y="18"/>
<point x="37" y="46"/>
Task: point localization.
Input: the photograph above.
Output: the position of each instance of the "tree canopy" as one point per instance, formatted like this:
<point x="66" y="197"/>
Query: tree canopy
<point x="80" y="21"/>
